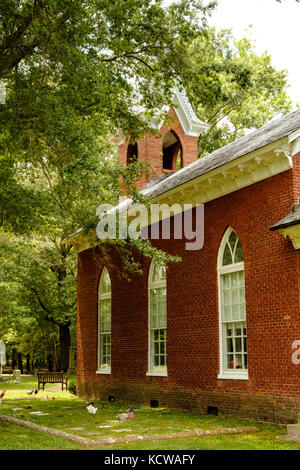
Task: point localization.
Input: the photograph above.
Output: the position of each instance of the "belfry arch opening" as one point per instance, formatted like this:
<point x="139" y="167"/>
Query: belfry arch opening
<point x="132" y="153"/>
<point x="172" y="152"/>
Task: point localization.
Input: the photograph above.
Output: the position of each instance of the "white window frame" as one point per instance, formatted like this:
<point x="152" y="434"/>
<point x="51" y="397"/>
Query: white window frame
<point x="225" y="373"/>
<point x="152" y="371"/>
<point x="102" y="296"/>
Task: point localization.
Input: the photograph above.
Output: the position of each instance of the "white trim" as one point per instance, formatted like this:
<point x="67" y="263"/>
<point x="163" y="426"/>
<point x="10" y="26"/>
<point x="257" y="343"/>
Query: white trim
<point x="157" y="373"/>
<point x="103" y="371"/>
<point x="224" y="373"/>
<point x="233" y="376"/>
<point x="102" y="296"/>
<point x="231" y="268"/>
<point x="191" y="125"/>
<point x="294" y="135"/>
<point x="154" y="285"/>
<point x="294" y="139"/>
<point x="286" y="151"/>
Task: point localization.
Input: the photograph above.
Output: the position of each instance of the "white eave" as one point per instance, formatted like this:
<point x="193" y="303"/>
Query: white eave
<point x="237" y="174"/>
<point x="294" y="140"/>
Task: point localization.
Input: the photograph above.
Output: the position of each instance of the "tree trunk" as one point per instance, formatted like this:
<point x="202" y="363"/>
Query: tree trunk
<point x="20" y="362"/>
<point x="49" y="359"/>
<point x="64" y="348"/>
<point x="55" y="356"/>
<point x="13" y="360"/>
<point x="28" y="363"/>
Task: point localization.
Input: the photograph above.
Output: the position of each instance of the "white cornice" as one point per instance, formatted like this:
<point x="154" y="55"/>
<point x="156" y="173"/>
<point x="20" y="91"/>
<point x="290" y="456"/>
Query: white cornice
<point x="233" y="176"/>
<point x="237" y="174"/>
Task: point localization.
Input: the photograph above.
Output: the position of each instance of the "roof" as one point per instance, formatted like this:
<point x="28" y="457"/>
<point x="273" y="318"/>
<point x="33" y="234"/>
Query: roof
<point x="292" y="219"/>
<point x="272" y="132"/>
<point x="268" y="134"/>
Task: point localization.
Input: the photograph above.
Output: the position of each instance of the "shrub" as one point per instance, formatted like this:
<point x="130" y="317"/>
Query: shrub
<point x="72" y="386"/>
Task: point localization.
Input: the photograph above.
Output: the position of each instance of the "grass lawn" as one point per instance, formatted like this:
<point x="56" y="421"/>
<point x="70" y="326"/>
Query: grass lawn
<point x="68" y="413"/>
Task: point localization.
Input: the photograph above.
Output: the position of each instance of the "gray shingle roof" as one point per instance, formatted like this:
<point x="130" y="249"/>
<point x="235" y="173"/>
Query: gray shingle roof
<point x="268" y="134"/>
<point x="292" y="219"/>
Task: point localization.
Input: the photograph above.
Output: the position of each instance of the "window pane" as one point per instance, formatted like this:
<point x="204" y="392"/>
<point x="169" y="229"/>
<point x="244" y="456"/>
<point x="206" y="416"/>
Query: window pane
<point x="233" y="307"/>
<point x="235" y="346"/>
<point x="238" y="331"/>
<point x="230" y="362"/>
<point x="159" y="272"/>
<point x="238" y="257"/>
<point x="229" y="345"/>
<point x="238" y="361"/>
<point x="104" y="336"/>
<point x="232" y="240"/>
<point x="105" y="284"/>
<point x="227" y="257"/>
<point x="238" y="345"/>
<point x="158" y="317"/>
<point x="233" y="296"/>
<point x="229" y="330"/>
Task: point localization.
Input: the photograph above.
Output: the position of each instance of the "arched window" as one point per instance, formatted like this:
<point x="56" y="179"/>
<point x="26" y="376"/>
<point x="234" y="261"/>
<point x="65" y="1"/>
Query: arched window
<point x="157" y="319"/>
<point x="172" y="154"/>
<point x="104" y="323"/>
<point x="232" y="305"/>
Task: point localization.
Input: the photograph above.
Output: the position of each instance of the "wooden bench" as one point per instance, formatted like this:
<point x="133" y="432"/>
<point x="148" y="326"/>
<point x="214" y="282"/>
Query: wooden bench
<point x="52" y="378"/>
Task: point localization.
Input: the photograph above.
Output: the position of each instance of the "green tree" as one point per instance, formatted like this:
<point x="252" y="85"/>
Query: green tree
<point x="38" y="295"/>
<point x="233" y="88"/>
<point x="74" y="73"/>
<point x="77" y="72"/>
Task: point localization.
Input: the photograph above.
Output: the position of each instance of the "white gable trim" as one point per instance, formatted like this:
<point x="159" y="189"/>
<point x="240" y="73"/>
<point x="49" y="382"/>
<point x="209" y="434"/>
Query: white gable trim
<point x="191" y="125"/>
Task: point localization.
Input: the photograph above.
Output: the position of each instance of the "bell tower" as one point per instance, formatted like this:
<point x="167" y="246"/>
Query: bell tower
<point x="174" y="147"/>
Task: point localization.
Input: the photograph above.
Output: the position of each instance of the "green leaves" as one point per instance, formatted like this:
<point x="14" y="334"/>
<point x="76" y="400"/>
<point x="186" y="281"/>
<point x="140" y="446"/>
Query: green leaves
<point x="232" y="88"/>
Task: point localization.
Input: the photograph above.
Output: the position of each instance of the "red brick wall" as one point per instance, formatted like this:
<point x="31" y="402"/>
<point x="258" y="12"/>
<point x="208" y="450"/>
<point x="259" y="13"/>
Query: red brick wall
<point x="272" y="268"/>
<point x="150" y="149"/>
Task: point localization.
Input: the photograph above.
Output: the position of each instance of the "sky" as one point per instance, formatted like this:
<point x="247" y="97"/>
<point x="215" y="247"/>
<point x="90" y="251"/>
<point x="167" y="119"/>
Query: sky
<point x="275" y="28"/>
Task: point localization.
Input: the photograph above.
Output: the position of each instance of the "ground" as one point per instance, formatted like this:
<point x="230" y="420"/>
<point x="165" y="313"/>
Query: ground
<point x="65" y="412"/>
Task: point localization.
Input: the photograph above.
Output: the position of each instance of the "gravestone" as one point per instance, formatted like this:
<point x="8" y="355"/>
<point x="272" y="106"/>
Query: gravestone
<point x="17" y="376"/>
<point x="2" y="355"/>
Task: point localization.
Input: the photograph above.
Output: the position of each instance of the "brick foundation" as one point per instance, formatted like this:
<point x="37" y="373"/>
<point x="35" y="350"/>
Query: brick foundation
<point x="238" y="405"/>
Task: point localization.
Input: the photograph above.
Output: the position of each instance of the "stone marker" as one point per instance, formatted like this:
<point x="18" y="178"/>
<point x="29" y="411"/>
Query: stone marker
<point x="17" y="376"/>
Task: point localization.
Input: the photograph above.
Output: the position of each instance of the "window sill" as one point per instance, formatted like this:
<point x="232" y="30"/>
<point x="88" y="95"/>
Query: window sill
<point x="104" y="371"/>
<point x="157" y="373"/>
<point x="233" y="376"/>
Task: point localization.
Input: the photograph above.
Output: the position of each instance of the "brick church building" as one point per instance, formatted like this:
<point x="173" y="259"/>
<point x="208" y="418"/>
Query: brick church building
<point x="219" y="331"/>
